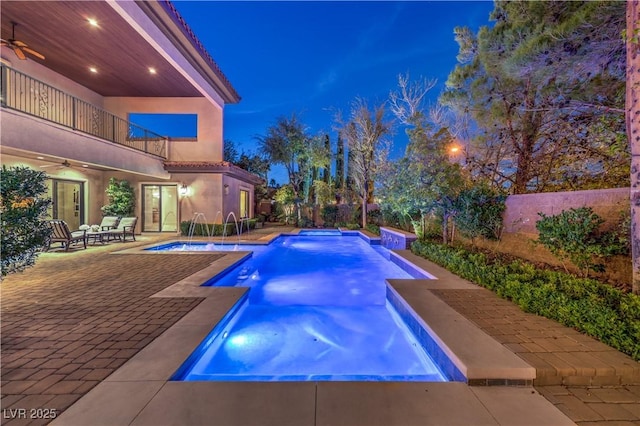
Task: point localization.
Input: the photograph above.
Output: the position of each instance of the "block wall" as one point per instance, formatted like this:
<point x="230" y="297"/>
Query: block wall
<point x="522" y="210"/>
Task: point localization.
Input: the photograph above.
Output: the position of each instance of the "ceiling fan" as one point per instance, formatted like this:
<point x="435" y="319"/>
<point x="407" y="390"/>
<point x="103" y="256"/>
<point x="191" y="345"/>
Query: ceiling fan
<point x="19" y="47"/>
<point x="64" y="164"/>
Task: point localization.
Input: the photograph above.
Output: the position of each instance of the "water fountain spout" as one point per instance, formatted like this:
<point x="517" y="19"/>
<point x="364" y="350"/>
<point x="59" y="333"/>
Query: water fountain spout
<point x="242" y="221"/>
<point x="235" y="220"/>
<point x="203" y="226"/>
<point x="166" y="220"/>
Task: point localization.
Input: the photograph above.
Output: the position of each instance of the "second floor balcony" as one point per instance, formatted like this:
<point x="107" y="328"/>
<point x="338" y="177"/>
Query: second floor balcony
<point x="28" y="95"/>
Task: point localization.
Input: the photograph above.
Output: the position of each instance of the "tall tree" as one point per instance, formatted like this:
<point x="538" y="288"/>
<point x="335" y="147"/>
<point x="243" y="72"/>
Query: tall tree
<point x="544" y="88"/>
<point x="314" y="156"/>
<point x="340" y="164"/>
<point x="230" y="151"/>
<point x="285" y="144"/>
<point x="326" y="174"/>
<point x="254" y="163"/>
<point x="424" y="182"/>
<point x="632" y="109"/>
<point x="365" y="133"/>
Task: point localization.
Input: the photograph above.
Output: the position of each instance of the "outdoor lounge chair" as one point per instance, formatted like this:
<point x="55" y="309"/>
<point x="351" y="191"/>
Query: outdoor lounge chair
<point x="60" y="233"/>
<point x="126" y="226"/>
<point x="109" y="222"/>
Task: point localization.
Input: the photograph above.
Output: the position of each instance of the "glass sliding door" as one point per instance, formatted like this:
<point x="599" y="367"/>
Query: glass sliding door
<point x="169" y="208"/>
<point x="160" y="208"/>
<point x="67" y="201"/>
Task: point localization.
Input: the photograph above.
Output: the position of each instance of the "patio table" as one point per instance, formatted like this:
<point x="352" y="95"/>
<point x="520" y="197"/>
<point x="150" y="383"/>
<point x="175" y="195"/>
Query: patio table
<point x="97" y="236"/>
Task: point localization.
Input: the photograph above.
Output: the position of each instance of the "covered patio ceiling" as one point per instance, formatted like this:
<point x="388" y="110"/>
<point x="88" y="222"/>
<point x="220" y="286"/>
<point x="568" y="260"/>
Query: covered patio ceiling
<point x="122" y="58"/>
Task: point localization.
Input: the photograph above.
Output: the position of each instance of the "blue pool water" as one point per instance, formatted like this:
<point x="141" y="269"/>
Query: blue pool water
<point x="317" y="309"/>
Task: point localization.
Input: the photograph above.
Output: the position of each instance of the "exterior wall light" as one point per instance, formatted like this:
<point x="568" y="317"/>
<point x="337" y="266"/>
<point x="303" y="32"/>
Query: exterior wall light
<point x="184" y="190"/>
<point x="226" y="189"/>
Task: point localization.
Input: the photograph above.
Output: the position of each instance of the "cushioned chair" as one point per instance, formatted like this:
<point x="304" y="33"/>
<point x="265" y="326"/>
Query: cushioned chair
<point x="60" y="233"/>
<point x="126" y="226"/>
<point x="109" y="222"/>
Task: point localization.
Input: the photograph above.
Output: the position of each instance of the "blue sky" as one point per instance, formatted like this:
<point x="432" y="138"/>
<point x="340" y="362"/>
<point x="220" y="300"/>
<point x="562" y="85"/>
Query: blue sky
<point x="315" y="58"/>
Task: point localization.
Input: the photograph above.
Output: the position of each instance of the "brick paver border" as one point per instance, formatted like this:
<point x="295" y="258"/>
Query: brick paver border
<point x="74" y="318"/>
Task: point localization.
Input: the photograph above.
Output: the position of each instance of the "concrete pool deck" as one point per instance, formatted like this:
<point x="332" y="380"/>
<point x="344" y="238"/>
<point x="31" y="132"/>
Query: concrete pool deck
<point x="139" y="393"/>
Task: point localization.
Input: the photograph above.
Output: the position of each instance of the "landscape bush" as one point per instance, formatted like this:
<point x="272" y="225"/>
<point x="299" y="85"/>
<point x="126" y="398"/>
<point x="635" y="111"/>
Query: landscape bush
<point x="479" y="211"/>
<point x="23" y="207"/>
<point x="374" y="229"/>
<point x="329" y="215"/>
<point x="122" y="199"/>
<point x="574" y="235"/>
<point x="601" y="311"/>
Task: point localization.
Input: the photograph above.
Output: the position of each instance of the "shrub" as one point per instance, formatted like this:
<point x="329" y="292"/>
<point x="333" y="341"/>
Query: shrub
<point x="122" y="198"/>
<point x="285" y="203"/>
<point x="23" y="207"/>
<point x="374" y="217"/>
<point x="329" y="215"/>
<point x="572" y="235"/>
<point x="351" y="226"/>
<point x="618" y="240"/>
<point x="374" y="229"/>
<point x="587" y="305"/>
<point x="479" y="212"/>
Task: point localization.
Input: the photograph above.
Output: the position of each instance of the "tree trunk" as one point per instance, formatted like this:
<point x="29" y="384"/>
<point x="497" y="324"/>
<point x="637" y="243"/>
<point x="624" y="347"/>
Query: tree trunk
<point x="364" y="213"/>
<point x="365" y="204"/>
<point x="524" y="165"/>
<point x="632" y="109"/>
<point x="445" y="229"/>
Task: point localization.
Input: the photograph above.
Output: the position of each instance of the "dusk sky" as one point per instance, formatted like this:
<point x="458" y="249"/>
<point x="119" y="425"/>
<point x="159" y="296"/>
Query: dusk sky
<point x="315" y="58"/>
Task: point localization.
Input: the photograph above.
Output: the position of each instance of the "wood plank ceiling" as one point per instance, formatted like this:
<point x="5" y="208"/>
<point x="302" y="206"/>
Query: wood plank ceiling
<point x="61" y="32"/>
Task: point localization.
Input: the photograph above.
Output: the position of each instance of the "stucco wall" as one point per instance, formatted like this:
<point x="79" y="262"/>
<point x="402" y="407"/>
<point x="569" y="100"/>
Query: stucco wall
<point x="231" y="200"/>
<point x="205" y="195"/>
<point x="94" y="195"/>
<point x="27" y="133"/>
<point x="521" y="213"/>
<point x="208" y="146"/>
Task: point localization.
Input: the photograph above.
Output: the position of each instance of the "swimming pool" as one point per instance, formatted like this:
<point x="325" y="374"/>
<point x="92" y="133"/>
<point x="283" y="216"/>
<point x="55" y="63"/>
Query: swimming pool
<point x="317" y="309"/>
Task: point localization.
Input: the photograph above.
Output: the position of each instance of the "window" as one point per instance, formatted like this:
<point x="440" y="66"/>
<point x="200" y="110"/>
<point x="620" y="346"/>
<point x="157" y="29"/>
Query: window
<point x="172" y="125"/>
<point x="244" y="203"/>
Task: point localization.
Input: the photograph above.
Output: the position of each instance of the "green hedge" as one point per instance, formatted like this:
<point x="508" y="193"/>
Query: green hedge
<point x="591" y="307"/>
<point x="206" y="229"/>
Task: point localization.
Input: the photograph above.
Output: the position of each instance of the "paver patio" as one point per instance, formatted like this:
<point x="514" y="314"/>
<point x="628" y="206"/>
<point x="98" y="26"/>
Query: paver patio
<point x="76" y="317"/>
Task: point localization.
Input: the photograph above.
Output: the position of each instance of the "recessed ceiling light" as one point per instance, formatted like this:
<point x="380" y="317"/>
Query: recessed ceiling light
<point x="40" y="158"/>
<point x="92" y="22"/>
<point x="85" y="165"/>
<point x="152" y="70"/>
<point x="93" y="70"/>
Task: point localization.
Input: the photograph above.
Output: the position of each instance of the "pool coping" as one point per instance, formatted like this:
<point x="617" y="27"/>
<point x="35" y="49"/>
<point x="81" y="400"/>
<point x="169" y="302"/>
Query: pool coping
<point x="140" y="392"/>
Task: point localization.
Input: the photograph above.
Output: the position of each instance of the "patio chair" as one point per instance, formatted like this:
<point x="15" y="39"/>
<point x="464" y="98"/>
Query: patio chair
<point x="60" y="233"/>
<point x="126" y="226"/>
<point x="109" y="222"/>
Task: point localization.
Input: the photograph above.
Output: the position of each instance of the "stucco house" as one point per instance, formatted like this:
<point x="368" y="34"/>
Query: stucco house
<point x="72" y="112"/>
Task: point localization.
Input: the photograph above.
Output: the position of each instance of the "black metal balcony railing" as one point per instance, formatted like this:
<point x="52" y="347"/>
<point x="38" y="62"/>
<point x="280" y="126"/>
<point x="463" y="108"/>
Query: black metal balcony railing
<point x="22" y="93"/>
